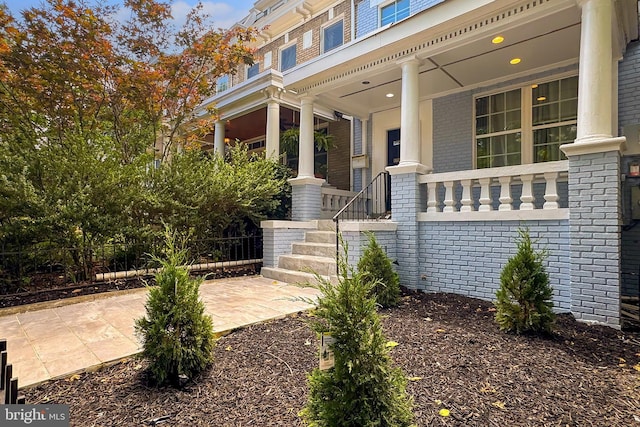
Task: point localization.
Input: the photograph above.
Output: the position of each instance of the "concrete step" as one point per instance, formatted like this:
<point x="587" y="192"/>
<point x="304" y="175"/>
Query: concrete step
<point x="295" y="277"/>
<point x="316" y="249"/>
<point x="308" y="264"/>
<point x="320" y="237"/>
<point x="326" y="225"/>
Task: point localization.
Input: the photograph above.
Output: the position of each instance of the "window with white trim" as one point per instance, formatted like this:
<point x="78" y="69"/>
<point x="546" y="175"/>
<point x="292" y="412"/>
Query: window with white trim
<point x="394" y="12"/>
<point x="288" y="57"/>
<point x="527" y="124"/>
<point x="332" y="36"/>
<point x="253" y="70"/>
<point x="555" y="117"/>
<point x="222" y="83"/>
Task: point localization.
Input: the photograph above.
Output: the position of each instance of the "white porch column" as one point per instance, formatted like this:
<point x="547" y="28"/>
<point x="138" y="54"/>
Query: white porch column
<point x="306" y="190"/>
<point x="305" y="151"/>
<point x="595" y="95"/>
<point x="218" y="138"/>
<point x="410" y="113"/>
<point x="272" y="145"/>
<point x="594" y="157"/>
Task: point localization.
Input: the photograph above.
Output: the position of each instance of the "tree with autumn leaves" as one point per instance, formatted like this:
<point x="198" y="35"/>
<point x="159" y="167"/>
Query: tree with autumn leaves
<point x="84" y="99"/>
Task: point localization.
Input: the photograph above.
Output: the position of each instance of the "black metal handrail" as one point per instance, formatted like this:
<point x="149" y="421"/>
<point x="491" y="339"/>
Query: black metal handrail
<point x="373" y="202"/>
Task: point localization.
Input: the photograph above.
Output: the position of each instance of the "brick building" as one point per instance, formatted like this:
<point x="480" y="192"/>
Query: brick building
<point x="481" y="116"/>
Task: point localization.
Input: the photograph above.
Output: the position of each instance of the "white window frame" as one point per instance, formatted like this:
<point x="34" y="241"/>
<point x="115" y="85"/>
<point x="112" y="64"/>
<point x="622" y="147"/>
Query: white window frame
<point x="526" y="111"/>
<point x="220" y="89"/>
<point x="388" y="3"/>
<point x="256" y="64"/>
<point x="328" y="24"/>
<point x="292" y="43"/>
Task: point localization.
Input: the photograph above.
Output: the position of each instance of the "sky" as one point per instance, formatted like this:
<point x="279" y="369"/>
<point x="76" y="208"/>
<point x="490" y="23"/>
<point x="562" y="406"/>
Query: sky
<point x="224" y="13"/>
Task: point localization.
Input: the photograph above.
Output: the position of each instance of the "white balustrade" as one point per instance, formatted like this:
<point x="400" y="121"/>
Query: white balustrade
<point x="333" y="200"/>
<point x="463" y="183"/>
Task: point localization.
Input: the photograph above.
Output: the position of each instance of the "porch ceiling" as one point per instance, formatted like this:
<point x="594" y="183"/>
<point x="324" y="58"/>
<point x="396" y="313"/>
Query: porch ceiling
<point x="540" y="44"/>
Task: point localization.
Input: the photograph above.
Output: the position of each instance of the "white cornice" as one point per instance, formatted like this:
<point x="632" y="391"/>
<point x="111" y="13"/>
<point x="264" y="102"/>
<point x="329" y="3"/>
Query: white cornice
<point x="443" y="27"/>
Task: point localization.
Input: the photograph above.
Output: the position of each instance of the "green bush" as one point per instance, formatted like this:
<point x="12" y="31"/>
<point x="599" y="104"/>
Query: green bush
<point x="376" y="264"/>
<point x="524" y="300"/>
<point x="363" y="388"/>
<point x="177" y="336"/>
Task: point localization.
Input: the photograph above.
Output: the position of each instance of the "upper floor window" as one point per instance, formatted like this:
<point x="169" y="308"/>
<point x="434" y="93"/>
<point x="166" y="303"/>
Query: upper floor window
<point x="394" y="12"/>
<point x="253" y="70"/>
<point x="288" y="58"/>
<point x="526" y="125"/>
<point x="333" y="36"/>
<point x="222" y="83"/>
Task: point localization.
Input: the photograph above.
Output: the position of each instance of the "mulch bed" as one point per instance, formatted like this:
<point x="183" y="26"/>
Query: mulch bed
<point x="449" y="346"/>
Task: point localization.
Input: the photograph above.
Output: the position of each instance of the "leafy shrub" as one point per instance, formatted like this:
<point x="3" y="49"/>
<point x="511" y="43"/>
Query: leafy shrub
<point x="376" y="264"/>
<point x="363" y="388"/>
<point x="177" y="336"/>
<point x="524" y="299"/>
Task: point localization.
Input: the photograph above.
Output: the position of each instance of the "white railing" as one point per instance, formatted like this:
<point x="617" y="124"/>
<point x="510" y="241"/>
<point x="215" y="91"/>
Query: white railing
<point x="333" y="200"/>
<point x="480" y="205"/>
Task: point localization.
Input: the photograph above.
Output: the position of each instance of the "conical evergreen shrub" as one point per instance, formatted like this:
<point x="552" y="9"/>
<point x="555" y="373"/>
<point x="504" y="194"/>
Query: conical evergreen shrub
<point x="376" y="264"/>
<point x="363" y="388"/>
<point x="177" y="335"/>
<point x="524" y="300"/>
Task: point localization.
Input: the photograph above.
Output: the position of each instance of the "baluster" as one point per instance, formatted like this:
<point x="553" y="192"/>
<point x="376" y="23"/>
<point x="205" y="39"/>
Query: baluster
<point x="527" y="197"/>
<point x="505" y="194"/>
<point x="449" y="197"/>
<point x="485" y="195"/>
<point x="551" y="191"/>
<point x="432" y="197"/>
<point x="466" y="200"/>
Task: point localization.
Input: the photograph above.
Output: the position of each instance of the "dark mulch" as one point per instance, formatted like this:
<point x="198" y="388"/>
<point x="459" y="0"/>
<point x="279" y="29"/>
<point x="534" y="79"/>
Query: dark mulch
<point x="449" y="346"/>
<point x="46" y="289"/>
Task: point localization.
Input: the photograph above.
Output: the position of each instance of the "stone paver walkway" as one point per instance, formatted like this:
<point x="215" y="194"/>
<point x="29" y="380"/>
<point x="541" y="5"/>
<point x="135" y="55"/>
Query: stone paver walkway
<point x="53" y="342"/>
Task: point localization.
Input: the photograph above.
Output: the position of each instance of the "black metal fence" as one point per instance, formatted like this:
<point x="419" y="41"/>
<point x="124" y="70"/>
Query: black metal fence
<point x="45" y="265"/>
<point x="8" y="383"/>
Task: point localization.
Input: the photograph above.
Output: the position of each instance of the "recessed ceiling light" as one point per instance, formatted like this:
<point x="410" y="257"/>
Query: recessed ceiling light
<point x="515" y="61"/>
<point x="366" y="82"/>
<point x="541" y="98"/>
<point x="389" y="95"/>
<point x="497" y="40"/>
<point x="534" y="86"/>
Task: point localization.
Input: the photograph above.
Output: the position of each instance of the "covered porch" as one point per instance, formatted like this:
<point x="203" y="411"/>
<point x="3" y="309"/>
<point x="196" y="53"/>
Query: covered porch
<point x="483" y="128"/>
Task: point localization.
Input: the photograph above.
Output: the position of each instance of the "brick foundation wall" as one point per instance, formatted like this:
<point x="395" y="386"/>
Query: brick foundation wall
<point x="467" y="257"/>
<point x="277" y="241"/>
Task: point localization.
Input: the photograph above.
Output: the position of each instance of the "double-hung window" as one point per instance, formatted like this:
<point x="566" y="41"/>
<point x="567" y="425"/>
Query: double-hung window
<point x="222" y="83"/>
<point x="527" y="124"/>
<point x="555" y="115"/>
<point x="332" y="36"/>
<point x="498" y="129"/>
<point x="288" y="57"/>
<point x="394" y="12"/>
<point x="253" y="70"/>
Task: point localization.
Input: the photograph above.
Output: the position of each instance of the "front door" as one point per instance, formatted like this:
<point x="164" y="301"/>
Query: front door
<point x="393" y="158"/>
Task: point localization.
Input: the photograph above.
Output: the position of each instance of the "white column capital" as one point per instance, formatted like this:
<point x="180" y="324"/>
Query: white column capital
<point x="408" y="60"/>
<point x="273" y="94"/>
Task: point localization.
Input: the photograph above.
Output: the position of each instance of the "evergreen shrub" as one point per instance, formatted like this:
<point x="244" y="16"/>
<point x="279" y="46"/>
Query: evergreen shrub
<point x="363" y="388"/>
<point x="524" y="300"/>
<point x="177" y="335"/>
<point x="376" y="264"/>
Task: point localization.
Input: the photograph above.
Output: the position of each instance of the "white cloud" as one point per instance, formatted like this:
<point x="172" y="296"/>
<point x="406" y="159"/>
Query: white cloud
<point x="221" y="15"/>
